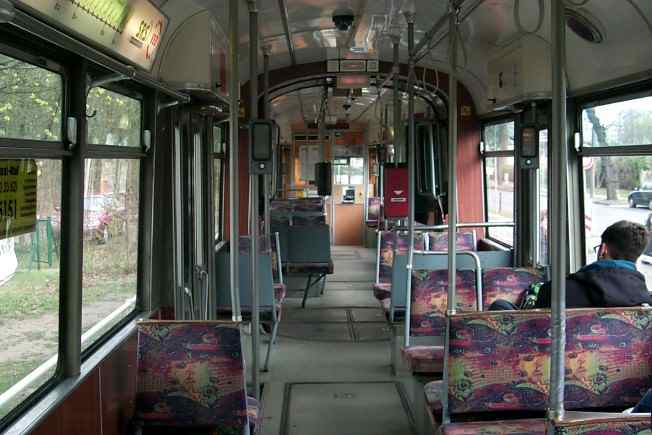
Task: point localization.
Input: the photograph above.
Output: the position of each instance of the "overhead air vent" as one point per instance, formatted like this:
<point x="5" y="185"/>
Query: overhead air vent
<point x="584" y="25"/>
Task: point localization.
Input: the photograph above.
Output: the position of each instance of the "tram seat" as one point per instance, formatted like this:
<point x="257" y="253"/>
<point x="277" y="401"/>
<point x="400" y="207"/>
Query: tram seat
<point x="384" y="260"/>
<point x="173" y="357"/>
<point x="428" y="311"/>
<point x="308" y="254"/>
<point x="507" y="284"/>
<point x="498" y="363"/>
<point x="465" y="241"/>
<point x="393" y="257"/>
<point x="608" y="357"/>
<point x="598" y="423"/>
<point x="271" y="305"/>
<point x="373" y="211"/>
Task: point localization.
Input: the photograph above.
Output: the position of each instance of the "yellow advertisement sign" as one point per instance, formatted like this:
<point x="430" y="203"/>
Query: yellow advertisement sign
<point x="17" y="197"/>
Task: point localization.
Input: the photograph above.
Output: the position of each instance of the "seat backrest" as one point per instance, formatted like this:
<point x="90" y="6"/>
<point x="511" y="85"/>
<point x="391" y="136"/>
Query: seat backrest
<point x="397" y="261"/>
<point x="308" y="211"/>
<point x="430" y="299"/>
<point x="265" y="278"/>
<point x="465" y="241"/>
<point x="281" y="211"/>
<point x="386" y="241"/>
<point x="191" y="374"/>
<point x="309" y="244"/>
<point x="608" y="357"/>
<point x="499" y="361"/>
<point x="506" y="283"/>
<point x="373" y="210"/>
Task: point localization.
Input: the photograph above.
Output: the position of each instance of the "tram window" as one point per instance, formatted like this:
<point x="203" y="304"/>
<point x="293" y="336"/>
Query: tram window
<point x="499" y="182"/>
<point x="111" y="233"/>
<point x="622" y="123"/>
<point x="543" y="197"/>
<point x="499" y="137"/>
<point x="30" y="101"/>
<point x="29" y="288"/>
<point x="612" y="192"/>
<point x="114" y="119"/>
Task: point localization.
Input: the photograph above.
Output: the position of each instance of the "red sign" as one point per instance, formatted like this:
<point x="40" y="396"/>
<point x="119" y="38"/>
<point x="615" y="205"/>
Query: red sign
<point x="396" y="192"/>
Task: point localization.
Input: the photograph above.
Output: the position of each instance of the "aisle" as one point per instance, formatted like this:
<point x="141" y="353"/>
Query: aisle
<point x="329" y="373"/>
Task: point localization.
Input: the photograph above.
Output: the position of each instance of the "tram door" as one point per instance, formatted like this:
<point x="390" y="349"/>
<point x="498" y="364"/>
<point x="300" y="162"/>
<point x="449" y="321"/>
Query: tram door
<point x="193" y="216"/>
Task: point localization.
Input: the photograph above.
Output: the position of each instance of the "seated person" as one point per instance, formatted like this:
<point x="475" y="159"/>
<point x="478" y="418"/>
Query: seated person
<point x="612" y="281"/>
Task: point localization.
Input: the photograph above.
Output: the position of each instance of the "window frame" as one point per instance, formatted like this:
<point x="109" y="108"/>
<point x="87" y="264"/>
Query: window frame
<point x="609" y="96"/>
<point x="484" y="155"/>
<point x="43" y="150"/>
<point x="222" y="125"/>
<point x="113" y="152"/>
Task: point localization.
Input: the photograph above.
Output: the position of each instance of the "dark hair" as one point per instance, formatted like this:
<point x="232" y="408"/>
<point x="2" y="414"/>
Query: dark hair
<point x="626" y="240"/>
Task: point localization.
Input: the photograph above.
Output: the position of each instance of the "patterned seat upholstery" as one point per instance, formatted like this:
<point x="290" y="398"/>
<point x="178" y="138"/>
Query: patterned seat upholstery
<point x="608" y="357"/>
<point x="427" y="314"/>
<point x="433" y="390"/>
<point x="438" y="241"/>
<point x="191" y="374"/>
<point x="373" y="211"/>
<point x="506" y="283"/>
<point x="499" y="361"/>
<point x="424" y="359"/>
<point x="382" y="290"/>
<point x="615" y="424"/>
<point x="430" y="299"/>
<point x="530" y="426"/>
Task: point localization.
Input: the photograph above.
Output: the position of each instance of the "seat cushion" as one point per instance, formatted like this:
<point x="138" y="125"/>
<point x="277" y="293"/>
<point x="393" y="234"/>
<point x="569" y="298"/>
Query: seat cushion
<point x="382" y="290"/>
<point x="424" y="359"/>
<point x="530" y="426"/>
<point x="310" y="268"/>
<point x="255" y="414"/>
<point x="280" y="292"/>
<point x="433" y="391"/>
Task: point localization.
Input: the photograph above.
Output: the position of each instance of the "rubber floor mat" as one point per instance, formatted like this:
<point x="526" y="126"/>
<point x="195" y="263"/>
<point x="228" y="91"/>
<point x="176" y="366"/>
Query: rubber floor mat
<point x="365" y="408"/>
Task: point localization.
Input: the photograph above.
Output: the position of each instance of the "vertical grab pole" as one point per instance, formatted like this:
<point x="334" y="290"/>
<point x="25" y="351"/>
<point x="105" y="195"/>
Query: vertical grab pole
<point x="266" y="112"/>
<point x="253" y="200"/>
<point x="452" y="192"/>
<point x="396" y="111"/>
<point x="558" y="209"/>
<point x="234" y="195"/>
<point x="409" y="17"/>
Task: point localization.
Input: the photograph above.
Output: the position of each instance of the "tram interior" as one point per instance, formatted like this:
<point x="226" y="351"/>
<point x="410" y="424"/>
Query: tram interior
<point x="291" y="217"/>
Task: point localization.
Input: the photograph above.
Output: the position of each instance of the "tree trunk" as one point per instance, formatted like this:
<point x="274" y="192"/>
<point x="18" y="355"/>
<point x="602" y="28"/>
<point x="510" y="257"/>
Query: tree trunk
<point x="610" y="170"/>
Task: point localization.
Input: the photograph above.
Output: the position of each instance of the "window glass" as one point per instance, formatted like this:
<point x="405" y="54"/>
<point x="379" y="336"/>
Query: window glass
<point x="499" y="178"/>
<point x="499" y="137"/>
<point x="543" y="197"/>
<point x="611" y="195"/>
<point x="29" y="286"/>
<point x="114" y="119"/>
<point x="110" y="266"/>
<point x="217" y="197"/>
<point x="618" y="124"/>
<point x="219" y="139"/>
<point x="30" y="101"/>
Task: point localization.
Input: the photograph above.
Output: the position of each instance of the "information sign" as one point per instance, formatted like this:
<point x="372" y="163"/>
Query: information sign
<point x="17" y="197"/>
<point x="131" y="28"/>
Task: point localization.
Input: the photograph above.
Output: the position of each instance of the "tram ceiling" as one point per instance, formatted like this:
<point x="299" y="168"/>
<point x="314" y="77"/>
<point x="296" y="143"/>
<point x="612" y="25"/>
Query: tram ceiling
<point x="302" y="31"/>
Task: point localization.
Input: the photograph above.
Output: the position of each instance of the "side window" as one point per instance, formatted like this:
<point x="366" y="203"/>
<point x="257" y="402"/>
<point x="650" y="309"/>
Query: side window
<point x="111" y="214"/>
<point x="498" y="159"/>
<point x="543" y="198"/>
<point x="617" y="186"/>
<point x="30" y="230"/>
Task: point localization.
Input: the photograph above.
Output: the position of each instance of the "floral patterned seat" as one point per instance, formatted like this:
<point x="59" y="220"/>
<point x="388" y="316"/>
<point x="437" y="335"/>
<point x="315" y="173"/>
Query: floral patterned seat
<point x="427" y="314"/>
<point x="373" y="211"/>
<point x="589" y="423"/>
<point x="506" y="283"/>
<point x="191" y="374"/>
<point x="438" y="241"/>
<point x="530" y="426"/>
<point x="382" y="290"/>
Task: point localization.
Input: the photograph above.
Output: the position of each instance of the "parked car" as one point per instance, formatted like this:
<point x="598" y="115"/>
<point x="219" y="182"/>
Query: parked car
<point x="641" y="196"/>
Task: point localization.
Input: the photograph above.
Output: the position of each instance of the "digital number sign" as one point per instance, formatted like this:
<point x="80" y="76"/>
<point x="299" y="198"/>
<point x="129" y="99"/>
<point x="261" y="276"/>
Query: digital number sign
<point x="132" y="29"/>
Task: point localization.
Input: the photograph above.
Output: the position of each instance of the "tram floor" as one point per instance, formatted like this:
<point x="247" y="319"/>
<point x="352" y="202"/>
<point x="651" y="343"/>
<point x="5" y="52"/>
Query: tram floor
<point x="330" y="371"/>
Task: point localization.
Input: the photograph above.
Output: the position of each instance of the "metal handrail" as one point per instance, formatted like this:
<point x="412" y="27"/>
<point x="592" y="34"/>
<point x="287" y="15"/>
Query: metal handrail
<point x="459" y="225"/>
